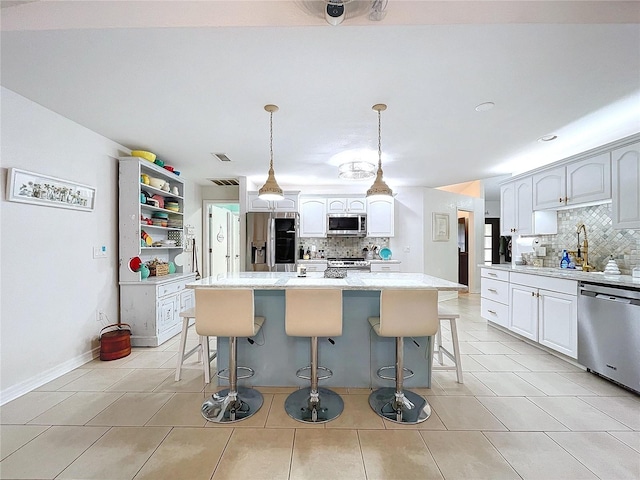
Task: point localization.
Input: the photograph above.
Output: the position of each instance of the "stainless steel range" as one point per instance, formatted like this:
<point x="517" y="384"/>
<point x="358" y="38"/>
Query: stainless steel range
<point x="350" y="263"/>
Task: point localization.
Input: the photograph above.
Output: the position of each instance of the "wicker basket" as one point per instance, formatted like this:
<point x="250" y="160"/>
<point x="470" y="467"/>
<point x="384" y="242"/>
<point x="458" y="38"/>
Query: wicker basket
<point x="159" y="269"/>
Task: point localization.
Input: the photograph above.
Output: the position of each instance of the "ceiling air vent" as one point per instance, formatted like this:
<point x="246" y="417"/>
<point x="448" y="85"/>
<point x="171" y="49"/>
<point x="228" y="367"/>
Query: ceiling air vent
<point x="221" y="156"/>
<point x="225" y="182"/>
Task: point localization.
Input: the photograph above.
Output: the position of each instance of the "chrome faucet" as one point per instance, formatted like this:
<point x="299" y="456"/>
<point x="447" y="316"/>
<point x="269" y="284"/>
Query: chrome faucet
<point x="583" y="251"/>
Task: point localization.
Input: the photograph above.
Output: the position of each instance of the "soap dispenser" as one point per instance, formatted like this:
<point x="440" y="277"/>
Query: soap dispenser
<point x="565" y="261"/>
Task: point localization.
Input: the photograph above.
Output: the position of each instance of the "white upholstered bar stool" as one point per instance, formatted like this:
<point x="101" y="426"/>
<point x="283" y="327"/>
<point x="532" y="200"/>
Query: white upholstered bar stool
<point x="229" y="313"/>
<point x="403" y="313"/>
<point x="313" y="313"/>
<point x="202" y="348"/>
<point x="440" y="351"/>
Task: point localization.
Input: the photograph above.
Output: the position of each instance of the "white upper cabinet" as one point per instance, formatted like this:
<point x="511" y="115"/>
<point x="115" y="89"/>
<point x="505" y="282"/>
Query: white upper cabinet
<point x="516" y="207"/>
<point x="380" y="217"/>
<point x="347" y="205"/>
<point x="313" y="217"/>
<point x="516" y="211"/>
<point x="581" y="182"/>
<point x="626" y="186"/>
<point x="549" y="188"/>
<point x="288" y="204"/>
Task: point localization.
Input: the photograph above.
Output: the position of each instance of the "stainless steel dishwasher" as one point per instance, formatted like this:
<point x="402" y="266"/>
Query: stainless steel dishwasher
<point x="609" y="332"/>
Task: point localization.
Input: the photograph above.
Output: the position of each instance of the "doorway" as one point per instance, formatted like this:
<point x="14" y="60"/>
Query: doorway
<point x="463" y="247"/>
<point x="222" y="227"/>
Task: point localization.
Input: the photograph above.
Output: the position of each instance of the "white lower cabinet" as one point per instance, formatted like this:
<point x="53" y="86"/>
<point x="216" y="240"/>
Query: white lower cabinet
<point x="152" y="307"/>
<point x="315" y="266"/>
<point x="545" y="310"/>
<point x="558" y="322"/>
<point x="523" y="311"/>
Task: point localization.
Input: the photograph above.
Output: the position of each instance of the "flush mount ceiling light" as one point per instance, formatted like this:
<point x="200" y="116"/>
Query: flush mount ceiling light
<point x="356" y="170"/>
<point x="379" y="187"/>
<point x="271" y="190"/>
<point x="547" y="138"/>
<point x="483" y="107"/>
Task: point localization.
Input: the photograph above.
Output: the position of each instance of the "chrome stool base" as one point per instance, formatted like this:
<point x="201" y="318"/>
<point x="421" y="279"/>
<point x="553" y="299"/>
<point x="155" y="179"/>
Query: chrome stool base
<point x="222" y="407"/>
<point x="408" y="408"/>
<point x="300" y="407"/>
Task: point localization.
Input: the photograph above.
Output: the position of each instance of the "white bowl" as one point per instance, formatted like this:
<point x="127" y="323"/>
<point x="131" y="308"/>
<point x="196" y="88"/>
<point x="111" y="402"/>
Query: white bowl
<point x="157" y="182"/>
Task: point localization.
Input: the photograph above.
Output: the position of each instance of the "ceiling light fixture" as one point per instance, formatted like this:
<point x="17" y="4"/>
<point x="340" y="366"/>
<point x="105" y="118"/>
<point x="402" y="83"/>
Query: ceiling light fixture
<point x="356" y="170"/>
<point x="483" y="107"/>
<point x="547" y="138"/>
<point x="271" y="190"/>
<point x="379" y="187"/>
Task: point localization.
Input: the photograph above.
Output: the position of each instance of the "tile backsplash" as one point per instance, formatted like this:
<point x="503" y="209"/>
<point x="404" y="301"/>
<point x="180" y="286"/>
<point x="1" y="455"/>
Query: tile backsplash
<point x="603" y="239"/>
<point x="342" y="246"/>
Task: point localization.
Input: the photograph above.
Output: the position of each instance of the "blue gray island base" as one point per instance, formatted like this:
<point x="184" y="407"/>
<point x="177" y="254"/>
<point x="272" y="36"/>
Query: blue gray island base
<point x="354" y="357"/>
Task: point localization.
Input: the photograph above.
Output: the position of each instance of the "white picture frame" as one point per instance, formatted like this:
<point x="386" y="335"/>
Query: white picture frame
<point x="38" y="189"/>
<point x="440" y="227"/>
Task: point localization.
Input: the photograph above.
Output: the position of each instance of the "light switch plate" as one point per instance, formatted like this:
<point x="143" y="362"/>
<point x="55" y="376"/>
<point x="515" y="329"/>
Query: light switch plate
<point x="100" y="252"/>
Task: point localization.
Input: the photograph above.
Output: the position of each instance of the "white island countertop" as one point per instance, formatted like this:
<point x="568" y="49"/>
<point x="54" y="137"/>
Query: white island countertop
<point x="353" y="281"/>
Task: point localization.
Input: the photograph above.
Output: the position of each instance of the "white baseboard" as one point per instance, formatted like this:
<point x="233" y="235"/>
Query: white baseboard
<point x="36" y="381"/>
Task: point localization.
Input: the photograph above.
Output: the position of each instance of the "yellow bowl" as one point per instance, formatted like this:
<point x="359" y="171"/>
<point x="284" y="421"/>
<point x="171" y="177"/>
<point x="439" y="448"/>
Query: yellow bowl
<point x="142" y="154"/>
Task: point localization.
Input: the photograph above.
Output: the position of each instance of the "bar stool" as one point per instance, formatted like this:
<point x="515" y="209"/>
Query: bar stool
<point x="202" y="347"/>
<point x="229" y="313"/>
<point x="314" y="313"/>
<point x="403" y="313"/>
<point x="443" y="315"/>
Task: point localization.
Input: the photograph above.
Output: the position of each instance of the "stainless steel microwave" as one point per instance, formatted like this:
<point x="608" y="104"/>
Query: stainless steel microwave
<point x="347" y="225"/>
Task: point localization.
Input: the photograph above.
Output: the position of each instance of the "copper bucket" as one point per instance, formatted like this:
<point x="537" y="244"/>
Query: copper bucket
<point x="115" y="342"/>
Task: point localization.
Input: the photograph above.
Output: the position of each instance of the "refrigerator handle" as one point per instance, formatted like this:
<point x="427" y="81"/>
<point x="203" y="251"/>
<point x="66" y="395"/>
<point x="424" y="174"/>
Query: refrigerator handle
<point x="272" y="243"/>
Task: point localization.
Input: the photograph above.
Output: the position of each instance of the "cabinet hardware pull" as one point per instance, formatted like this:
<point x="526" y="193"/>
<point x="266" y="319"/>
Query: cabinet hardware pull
<point x="492" y="274"/>
<point x="560" y="200"/>
<point x="491" y="311"/>
<point x="566" y="199"/>
<point x="533" y="294"/>
<point x="493" y="290"/>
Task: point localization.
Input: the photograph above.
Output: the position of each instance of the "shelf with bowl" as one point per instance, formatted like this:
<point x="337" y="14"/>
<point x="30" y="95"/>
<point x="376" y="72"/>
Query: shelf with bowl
<point x="157" y="191"/>
<point x="145" y="226"/>
<point x="165" y="247"/>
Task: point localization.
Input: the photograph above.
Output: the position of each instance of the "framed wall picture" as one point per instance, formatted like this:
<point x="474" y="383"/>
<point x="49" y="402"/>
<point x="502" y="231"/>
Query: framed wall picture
<point x="38" y="189"/>
<point x="440" y="227"/>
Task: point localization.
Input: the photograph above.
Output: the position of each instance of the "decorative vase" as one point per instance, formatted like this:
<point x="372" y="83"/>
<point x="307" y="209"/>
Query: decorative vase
<point x="144" y="271"/>
<point x="172" y="267"/>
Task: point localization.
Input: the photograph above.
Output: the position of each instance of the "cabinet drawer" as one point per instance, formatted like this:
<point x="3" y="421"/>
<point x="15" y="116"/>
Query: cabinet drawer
<point x="316" y="267"/>
<point x="494" y="312"/>
<point x="495" y="274"/>
<point x="170" y="288"/>
<point x="495" y="290"/>
<point x="383" y="267"/>
<point x="570" y="287"/>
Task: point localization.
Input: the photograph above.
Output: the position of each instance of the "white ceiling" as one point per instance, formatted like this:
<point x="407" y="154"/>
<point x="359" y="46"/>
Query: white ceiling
<point x="185" y="79"/>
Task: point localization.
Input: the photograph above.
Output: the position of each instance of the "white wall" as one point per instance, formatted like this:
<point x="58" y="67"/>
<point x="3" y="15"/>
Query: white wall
<point x="50" y="285"/>
<point x="409" y="218"/>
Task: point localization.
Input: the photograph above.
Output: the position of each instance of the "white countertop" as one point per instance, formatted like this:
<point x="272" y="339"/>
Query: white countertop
<point x="354" y="281"/>
<point x="324" y="260"/>
<point x="571" y="274"/>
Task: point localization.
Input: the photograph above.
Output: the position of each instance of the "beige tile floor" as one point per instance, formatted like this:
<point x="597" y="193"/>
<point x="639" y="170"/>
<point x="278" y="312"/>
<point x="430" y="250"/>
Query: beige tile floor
<point x="521" y="413"/>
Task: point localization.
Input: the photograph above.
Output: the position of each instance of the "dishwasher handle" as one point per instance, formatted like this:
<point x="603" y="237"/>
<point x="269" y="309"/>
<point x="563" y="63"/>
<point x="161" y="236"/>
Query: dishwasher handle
<point x="610" y="298"/>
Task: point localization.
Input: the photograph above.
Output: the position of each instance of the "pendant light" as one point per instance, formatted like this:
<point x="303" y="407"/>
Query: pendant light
<point x="271" y="190"/>
<point x="379" y="187"/>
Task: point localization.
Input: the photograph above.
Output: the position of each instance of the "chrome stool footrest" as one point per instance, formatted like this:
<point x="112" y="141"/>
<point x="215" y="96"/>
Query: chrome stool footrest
<point x="308" y="377"/>
<point x="393" y="367"/>
<point x="224" y="373"/>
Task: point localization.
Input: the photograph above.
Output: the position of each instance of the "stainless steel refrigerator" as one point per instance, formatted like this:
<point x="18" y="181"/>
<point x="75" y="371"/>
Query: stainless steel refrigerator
<point x="272" y="241"/>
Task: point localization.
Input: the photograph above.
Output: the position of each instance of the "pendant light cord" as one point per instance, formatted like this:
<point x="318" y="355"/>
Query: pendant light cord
<point x="379" y="141"/>
<point x="271" y="140"/>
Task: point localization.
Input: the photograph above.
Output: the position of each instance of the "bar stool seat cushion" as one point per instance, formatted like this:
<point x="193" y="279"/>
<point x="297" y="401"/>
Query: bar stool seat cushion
<point x="226" y="313"/>
<point x="404" y="313"/>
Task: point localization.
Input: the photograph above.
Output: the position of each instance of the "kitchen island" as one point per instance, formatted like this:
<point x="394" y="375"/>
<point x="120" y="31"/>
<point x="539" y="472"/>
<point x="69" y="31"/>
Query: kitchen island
<point x="354" y="357"/>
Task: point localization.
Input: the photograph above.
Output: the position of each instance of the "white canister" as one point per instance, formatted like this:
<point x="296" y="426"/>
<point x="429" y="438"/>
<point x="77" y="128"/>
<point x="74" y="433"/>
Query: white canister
<point x="302" y="271"/>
